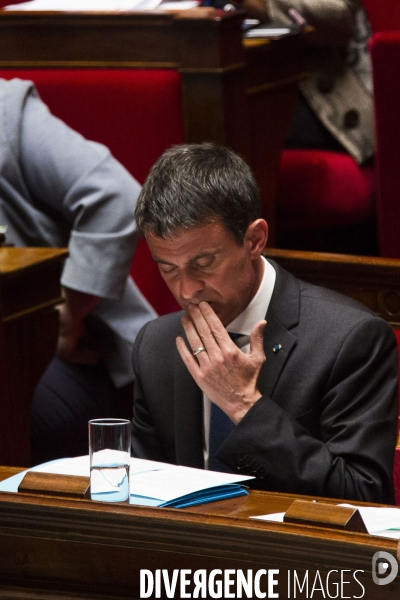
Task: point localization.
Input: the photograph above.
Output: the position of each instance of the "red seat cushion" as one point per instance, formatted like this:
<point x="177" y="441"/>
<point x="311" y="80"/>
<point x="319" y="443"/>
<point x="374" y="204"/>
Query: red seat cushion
<point x="136" y="113"/>
<point x="383" y="14"/>
<point x="317" y="188"/>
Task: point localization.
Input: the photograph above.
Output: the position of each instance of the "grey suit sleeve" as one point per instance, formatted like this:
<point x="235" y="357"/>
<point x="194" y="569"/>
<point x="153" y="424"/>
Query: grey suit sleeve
<point x="344" y="448"/>
<point x="333" y="20"/>
<point x="90" y="191"/>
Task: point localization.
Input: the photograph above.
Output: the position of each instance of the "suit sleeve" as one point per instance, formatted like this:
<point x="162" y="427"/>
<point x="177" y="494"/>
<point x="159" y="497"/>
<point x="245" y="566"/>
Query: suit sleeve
<point x="351" y="453"/>
<point x="89" y="193"/>
<point x="145" y="441"/>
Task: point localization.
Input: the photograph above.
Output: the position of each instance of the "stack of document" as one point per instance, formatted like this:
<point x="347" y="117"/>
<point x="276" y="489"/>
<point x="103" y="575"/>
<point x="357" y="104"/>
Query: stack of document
<point x="153" y="483"/>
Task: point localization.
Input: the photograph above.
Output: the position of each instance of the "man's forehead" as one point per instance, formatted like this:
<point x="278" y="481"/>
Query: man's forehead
<point x="170" y="232"/>
<point x="189" y="243"/>
<point x="213" y="229"/>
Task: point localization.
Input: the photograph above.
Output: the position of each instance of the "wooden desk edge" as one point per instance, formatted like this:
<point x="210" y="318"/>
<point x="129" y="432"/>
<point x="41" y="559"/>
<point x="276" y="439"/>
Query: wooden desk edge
<point x="207" y="514"/>
<point x="17" y="260"/>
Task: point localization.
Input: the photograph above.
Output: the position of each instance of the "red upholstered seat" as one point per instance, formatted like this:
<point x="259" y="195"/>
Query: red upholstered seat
<point x="323" y="189"/>
<point x="136" y="113"/>
<point x="333" y="191"/>
<point x="384" y="15"/>
<point x="323" y="199"/>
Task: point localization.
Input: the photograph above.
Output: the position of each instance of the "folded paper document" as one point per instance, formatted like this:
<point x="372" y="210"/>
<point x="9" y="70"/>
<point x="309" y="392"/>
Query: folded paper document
<point x="179" y="487"/>
<point x="153" y="483"/>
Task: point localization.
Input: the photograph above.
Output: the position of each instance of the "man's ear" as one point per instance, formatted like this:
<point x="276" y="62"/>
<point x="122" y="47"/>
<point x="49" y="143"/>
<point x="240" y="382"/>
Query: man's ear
<point x="257" y="236"/>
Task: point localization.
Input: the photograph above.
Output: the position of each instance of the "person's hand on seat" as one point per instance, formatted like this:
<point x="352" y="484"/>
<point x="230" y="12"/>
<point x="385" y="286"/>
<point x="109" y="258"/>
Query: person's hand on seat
<point x="72" y="345"/>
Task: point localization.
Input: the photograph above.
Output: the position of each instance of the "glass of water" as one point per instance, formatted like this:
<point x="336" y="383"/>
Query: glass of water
<point x="110" y="452"/>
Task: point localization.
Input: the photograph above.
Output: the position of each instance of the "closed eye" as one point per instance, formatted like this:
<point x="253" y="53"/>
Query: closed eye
<point x="205" y="261"/>
<point x="166" y="268"/>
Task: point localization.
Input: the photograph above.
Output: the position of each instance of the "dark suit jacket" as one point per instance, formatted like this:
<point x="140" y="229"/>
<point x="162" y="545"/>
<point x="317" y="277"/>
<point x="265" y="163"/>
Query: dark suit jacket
<point x="326" y="423"/>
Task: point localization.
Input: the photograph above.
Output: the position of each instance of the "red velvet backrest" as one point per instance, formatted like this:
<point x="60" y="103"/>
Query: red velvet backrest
<point x="136" y="113"/>
<point x="383" y="15"/>
<point x="385" y="52"/>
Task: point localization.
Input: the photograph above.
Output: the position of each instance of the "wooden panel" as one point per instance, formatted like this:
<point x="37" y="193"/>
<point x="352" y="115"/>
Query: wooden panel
<point x="58" y="39"/>
<point x="29" y="290"/>
<point x="236" y="93"/>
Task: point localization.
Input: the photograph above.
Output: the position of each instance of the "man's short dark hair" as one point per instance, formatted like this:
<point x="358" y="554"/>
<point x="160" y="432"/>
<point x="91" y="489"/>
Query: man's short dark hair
<point x="192" y="185"/>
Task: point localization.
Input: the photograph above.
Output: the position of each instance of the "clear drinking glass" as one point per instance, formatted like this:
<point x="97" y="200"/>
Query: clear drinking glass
<point x="110" y="452"/>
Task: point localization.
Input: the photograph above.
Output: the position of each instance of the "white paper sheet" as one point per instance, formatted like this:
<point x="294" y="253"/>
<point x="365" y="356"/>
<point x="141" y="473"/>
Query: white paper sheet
<point x="275" y="517"/>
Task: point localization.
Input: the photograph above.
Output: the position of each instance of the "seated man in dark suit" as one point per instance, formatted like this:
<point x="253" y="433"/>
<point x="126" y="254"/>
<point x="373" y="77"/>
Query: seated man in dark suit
<point x="261" y="373"/>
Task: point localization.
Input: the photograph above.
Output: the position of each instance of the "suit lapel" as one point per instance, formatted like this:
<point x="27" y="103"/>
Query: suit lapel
<point x="280" y="333"/>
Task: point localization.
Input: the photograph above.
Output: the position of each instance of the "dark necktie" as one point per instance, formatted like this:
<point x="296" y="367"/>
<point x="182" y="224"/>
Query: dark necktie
<point x="220" y="427"/>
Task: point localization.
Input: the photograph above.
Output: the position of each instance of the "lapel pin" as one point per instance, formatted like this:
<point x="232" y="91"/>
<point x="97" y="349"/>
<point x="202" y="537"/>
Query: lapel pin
<point x="276" y="348"/>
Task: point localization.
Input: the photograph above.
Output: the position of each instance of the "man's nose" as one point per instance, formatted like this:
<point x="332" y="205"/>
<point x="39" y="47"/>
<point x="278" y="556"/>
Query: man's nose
<point x="189" y="287"/>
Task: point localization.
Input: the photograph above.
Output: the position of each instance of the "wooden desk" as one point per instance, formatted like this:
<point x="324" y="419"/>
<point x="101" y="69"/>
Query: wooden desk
<point x="29" y="289"/>
<point x="233" y="93"/>
<point x="50" y="548"/>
